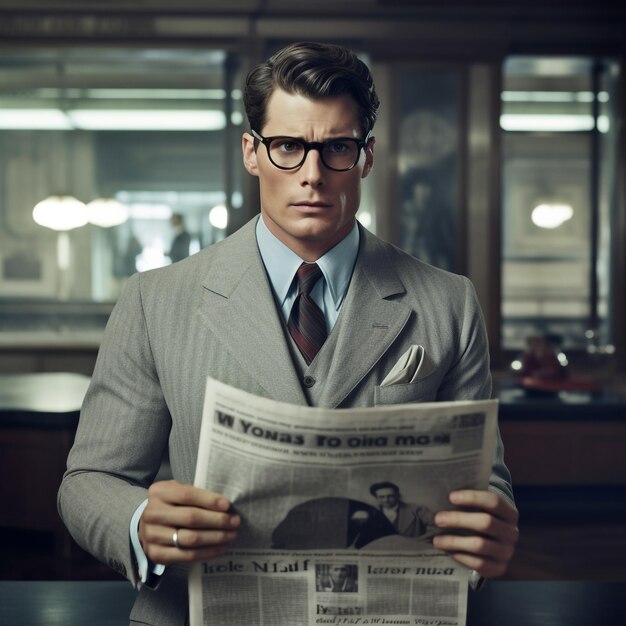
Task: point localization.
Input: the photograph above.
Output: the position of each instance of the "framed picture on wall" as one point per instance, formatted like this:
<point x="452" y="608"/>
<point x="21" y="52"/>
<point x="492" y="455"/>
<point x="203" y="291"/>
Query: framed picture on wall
<point x="28" y="273"/>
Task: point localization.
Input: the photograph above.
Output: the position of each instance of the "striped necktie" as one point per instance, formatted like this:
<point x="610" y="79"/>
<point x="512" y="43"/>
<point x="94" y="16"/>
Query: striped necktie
<point x="306" y="324"/>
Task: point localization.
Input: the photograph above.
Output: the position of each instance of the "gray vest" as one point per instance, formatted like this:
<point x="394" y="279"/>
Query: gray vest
<point x="314" y="377"/>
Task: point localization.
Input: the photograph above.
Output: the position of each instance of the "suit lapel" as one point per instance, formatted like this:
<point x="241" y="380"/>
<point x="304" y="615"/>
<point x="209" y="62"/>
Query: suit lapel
<point x="239" y="308"/>
<point x="369" y="321"/>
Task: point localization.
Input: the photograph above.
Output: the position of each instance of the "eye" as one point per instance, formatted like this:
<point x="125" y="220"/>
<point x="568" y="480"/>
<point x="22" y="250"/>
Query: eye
<point x="338" y="147"/>
<point x="287" y="145"/>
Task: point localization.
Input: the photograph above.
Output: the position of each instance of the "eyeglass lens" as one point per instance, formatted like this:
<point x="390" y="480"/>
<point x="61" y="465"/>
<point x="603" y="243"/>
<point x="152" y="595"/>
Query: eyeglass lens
<point x="340" y="154"/>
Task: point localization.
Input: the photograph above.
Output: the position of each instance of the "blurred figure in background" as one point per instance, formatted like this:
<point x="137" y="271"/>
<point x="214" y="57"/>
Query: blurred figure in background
<point x="180" y="244"/>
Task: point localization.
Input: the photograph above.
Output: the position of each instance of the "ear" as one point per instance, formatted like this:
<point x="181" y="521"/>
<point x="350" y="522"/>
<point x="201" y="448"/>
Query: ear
<point x="369" y="158"/>
<point x="249" y="154"/>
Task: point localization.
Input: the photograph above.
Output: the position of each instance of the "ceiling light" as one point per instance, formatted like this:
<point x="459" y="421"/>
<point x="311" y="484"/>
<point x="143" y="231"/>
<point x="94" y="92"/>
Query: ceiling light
<point x="553" y="96"/>
<point x="218" y="216"/>
<point x="153" y="94"/>
<point x="557" y="123"/>
<point x="551" y="215"/>
<point x="60" y="213"/>
<point x="106" y="212"/>
<point x="33" y="119"/>
<point x="112" y="119"/>
<point x="86" y="119"/>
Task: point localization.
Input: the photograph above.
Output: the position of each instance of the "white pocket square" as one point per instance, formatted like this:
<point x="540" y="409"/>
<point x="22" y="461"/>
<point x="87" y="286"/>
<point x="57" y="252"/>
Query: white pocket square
<point x="411" y="366"/>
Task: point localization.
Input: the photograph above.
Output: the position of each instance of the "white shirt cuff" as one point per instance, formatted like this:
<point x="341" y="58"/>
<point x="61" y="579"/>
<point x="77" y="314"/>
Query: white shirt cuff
<point x="146" y="569"/>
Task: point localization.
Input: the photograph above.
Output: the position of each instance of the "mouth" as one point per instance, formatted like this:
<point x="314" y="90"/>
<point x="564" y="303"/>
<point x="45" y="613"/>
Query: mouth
<point x="311" y="204"/>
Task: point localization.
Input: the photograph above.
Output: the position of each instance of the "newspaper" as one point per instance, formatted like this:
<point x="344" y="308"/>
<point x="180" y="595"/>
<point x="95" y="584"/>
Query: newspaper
<point x="316" y="545"/>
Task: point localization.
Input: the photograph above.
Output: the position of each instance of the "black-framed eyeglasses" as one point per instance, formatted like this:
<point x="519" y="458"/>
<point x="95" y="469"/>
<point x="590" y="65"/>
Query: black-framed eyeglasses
<point x="339" y="154"/>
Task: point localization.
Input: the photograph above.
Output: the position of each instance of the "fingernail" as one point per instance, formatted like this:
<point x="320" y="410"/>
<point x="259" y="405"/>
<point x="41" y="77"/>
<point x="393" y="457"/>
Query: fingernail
<point x="441" y="519"/>
<point x="457" y="497"/>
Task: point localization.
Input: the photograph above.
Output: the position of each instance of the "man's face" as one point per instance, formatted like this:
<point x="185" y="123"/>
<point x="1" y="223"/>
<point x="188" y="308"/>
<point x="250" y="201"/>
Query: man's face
<point x="311" y="208"/>
<point x="338" y="574"/>
<point x="387" y="498"/>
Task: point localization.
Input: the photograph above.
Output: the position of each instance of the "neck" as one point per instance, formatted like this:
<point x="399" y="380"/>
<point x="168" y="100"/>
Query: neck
<point x="308" y="249"/>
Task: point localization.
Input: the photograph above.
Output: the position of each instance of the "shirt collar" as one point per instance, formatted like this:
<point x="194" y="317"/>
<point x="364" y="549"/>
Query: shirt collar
<point x="282" y="263"/>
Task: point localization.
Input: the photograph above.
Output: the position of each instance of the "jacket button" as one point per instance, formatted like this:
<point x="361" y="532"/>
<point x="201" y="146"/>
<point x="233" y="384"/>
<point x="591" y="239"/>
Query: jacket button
<point x="308" y="381"/>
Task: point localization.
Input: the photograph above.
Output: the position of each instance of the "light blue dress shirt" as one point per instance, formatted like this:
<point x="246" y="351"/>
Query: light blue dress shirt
<point x="281" y="264"/>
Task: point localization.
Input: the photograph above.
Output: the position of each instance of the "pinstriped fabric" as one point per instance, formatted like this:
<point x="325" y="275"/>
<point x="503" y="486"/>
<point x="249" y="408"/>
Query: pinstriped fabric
<point x="306" y="324"/>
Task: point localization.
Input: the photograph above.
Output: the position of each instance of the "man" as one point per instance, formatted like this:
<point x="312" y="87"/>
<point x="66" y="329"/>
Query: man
<point x="408" y="520"/>
<point x="180" y="244"/>
<point x="341" y="578"/>
<point x="234" y="312"/>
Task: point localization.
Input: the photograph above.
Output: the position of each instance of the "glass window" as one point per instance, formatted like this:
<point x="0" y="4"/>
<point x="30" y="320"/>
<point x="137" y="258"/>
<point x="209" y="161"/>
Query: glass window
<point x="428" y="148"/>
<point x="559" y="166"/>
<point x="152" y="132"/>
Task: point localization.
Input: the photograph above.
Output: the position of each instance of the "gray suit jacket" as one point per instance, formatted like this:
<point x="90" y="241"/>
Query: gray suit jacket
<point x="214" y="314"/>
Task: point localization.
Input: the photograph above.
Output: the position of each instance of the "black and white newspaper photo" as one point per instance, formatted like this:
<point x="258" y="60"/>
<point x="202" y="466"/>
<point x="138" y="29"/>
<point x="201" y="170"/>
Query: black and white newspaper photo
<point x="337" y="510"/>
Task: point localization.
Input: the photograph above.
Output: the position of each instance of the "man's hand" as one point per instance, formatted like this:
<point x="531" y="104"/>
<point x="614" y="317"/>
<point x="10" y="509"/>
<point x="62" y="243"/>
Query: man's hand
<point x="489" y="525"/>
<point x="201" y="518"/>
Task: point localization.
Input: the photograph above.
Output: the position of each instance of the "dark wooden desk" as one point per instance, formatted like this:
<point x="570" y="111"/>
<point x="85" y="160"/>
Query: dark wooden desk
<point x="65" y="603"/>
<point x="548" y="604"/>
<point x="569" y="438"/>
<point x="38" y="418"/>
<point x="498" y="604"/>
<point x="518" y="404"/>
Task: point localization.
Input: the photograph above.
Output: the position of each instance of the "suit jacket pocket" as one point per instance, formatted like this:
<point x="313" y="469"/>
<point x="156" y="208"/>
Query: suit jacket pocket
<point x="423" y="390"/>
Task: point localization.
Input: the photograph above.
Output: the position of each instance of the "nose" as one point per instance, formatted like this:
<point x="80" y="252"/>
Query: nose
<point x="311" y="171"/>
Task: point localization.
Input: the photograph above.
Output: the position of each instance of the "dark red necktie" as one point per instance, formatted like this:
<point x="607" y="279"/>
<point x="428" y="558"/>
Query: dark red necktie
<point x="306" y="324"/>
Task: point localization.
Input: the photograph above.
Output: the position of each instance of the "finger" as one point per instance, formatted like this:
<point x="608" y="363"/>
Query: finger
<point x="167" y="555"/>
<point x="485" y="501"/>
<point x="192" y="545"/>
<point x="474" y="545"/>
<point x="487" y="568"/>
<point x="197" y="539"/>
<point x="181" y="494"/>
<point x="488" y="558"/>
<point x="481" y="523"/>
<point x="189" y="517"/>
<point x="187" y="538"/>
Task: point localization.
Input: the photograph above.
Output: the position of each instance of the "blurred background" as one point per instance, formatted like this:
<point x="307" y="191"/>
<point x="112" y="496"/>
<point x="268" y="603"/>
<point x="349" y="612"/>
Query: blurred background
<point x="499" y="155"/>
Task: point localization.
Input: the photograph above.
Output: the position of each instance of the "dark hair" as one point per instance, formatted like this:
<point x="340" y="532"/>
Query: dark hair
<point x="313" y="70"/>
<point x="384" y="485"/>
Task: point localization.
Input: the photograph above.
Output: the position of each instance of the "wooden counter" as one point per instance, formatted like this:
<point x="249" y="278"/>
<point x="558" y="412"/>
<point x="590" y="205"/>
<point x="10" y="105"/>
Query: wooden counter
<point x="564" y="439"/>
<point x="38" y="418"/>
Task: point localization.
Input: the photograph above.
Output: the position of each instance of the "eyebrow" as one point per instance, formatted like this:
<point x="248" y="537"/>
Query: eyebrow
<point x="300" y="138"/>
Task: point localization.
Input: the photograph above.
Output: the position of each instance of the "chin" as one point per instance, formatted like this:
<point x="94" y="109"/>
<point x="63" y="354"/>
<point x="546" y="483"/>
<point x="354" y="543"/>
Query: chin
<point x="314" y="231"/>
